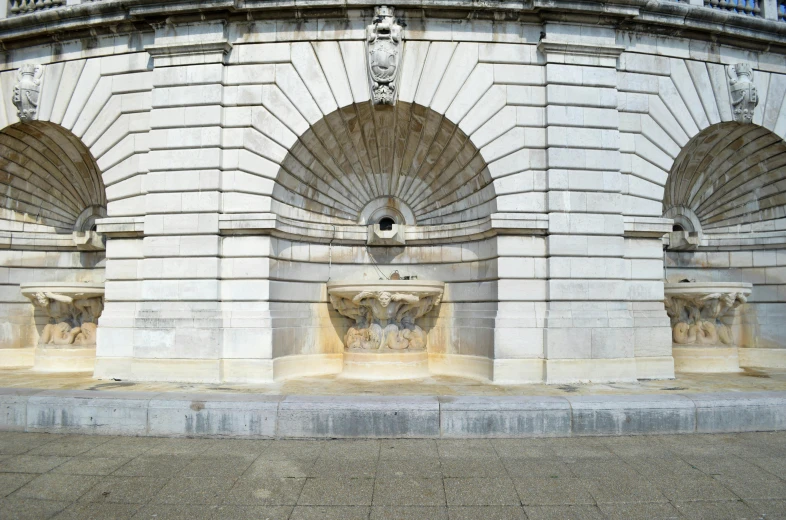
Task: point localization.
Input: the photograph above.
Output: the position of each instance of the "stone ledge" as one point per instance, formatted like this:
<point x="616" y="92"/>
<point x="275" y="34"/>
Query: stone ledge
<point x="639" y="14"/>
<point x="274" y="416"/>
<point x="282" y="227"/>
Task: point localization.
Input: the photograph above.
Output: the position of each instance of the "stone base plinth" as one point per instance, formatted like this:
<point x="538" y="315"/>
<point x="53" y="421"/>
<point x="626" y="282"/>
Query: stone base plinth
<point x="17" y="357"/>
<point x="391" y="364"/>
<point x="763" y="357"/>
<point x="71" y="359"/>
<point x="706" y="358"/>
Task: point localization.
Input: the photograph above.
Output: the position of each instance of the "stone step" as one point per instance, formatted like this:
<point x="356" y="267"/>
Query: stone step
<point x="248" y="415"/>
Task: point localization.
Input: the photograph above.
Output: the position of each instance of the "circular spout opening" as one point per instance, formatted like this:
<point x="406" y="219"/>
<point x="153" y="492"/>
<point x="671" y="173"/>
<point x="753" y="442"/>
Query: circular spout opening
<point x="386" y="224"/>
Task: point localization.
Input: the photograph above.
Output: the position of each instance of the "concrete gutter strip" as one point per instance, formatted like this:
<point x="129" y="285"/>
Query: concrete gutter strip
<point x="265" y="416"/>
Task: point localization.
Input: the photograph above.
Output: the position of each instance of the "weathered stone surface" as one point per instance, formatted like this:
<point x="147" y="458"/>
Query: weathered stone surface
<point x="358" y="417"/>
<point x="631" y="415"/>
<point x="235" y="415"/>
<point x="91" y="412"/>
<point x="471" y="417"/>
<point x="738" y="412"/>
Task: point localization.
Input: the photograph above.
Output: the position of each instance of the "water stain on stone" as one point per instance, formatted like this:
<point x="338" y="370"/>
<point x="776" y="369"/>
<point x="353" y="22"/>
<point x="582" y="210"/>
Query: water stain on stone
<point x="568" y="388"/>
<point x="750" y="372"/>
<point x="197" y="405"/>
<point x="107" y="386"/>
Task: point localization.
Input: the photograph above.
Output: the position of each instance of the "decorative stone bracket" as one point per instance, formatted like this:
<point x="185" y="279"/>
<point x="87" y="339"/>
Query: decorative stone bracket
<point x="697" y="311"/>
<point x="385" y="312"/>
<point x="73" y="310"/>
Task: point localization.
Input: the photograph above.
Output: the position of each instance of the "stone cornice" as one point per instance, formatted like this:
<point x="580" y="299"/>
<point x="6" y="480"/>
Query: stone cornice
<point x="676" y="18"/>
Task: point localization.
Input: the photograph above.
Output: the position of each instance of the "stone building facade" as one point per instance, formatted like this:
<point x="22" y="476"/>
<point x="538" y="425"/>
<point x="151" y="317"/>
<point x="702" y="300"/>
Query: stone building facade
<point x="215" y="164"/>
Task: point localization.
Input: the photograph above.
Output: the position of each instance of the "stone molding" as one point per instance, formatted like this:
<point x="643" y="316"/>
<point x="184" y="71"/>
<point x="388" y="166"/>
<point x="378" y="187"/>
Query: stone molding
<point x="638" y="14"/>
<point x="282" y="227"/>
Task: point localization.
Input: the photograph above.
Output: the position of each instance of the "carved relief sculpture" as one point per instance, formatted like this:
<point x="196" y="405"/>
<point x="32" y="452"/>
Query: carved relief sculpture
<point x="698" y="313"/>
<point x="27" y="90"/>
<point x="743" y="92"/>
<point x="385" y="315"/>
<point x="72" y="320"/>
<point x="384" y="55"/>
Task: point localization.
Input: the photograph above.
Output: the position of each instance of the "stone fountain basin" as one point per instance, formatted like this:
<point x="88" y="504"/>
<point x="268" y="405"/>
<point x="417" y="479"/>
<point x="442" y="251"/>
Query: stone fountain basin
<point x="395" y="304"/>
<point x="710" y="301"/>
<point x="350" y="289"/>
<point x="703" y="288"/>
<point x="76" y="290"/>
<point x="399" y="290"/>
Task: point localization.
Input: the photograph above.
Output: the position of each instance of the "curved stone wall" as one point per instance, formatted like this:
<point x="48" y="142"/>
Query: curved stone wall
<point x="50" y="178"/>
<point x="410" y="153"/>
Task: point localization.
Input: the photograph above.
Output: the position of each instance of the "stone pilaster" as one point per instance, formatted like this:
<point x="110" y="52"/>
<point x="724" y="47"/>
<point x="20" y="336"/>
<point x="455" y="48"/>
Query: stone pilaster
<point x="178" y="319"/>
<point x="589" y="325"/>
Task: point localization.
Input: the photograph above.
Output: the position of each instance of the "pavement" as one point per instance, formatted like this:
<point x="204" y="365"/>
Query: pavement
<point x="723" y="476"/>
<point x="749" y="380"/>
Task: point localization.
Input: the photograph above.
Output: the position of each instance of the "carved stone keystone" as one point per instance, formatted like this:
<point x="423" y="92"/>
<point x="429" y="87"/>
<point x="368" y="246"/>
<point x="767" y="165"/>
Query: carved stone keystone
<point x="384" y="55"/>
<point x="743" y="92"/>
<point x="27" y="90"/>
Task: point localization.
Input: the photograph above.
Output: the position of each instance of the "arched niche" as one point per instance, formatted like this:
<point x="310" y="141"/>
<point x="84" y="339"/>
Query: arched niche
<point x="408" y="156"/>
<point x="729" y="178"/>
<point x="49" y="180"/>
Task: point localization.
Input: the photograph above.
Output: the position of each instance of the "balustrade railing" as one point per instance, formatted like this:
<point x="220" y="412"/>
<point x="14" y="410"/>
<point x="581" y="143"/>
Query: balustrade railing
<point x="745" y="7"/>
<point x="28" y="6"/>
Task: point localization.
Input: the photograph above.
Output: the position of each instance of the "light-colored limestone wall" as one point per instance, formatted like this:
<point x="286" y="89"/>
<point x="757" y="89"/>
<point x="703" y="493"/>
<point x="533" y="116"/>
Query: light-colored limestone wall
<point x="191" y="122"/>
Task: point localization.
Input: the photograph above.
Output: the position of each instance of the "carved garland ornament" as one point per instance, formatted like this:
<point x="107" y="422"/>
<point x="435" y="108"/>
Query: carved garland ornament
<point x="384" y="55"/>
<point x="27" y="90"/>
<point x="743" y="92"/>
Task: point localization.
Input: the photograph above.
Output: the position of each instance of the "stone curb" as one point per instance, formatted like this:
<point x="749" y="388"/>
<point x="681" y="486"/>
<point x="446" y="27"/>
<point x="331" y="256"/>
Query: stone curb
<point x="272" y="416"/>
